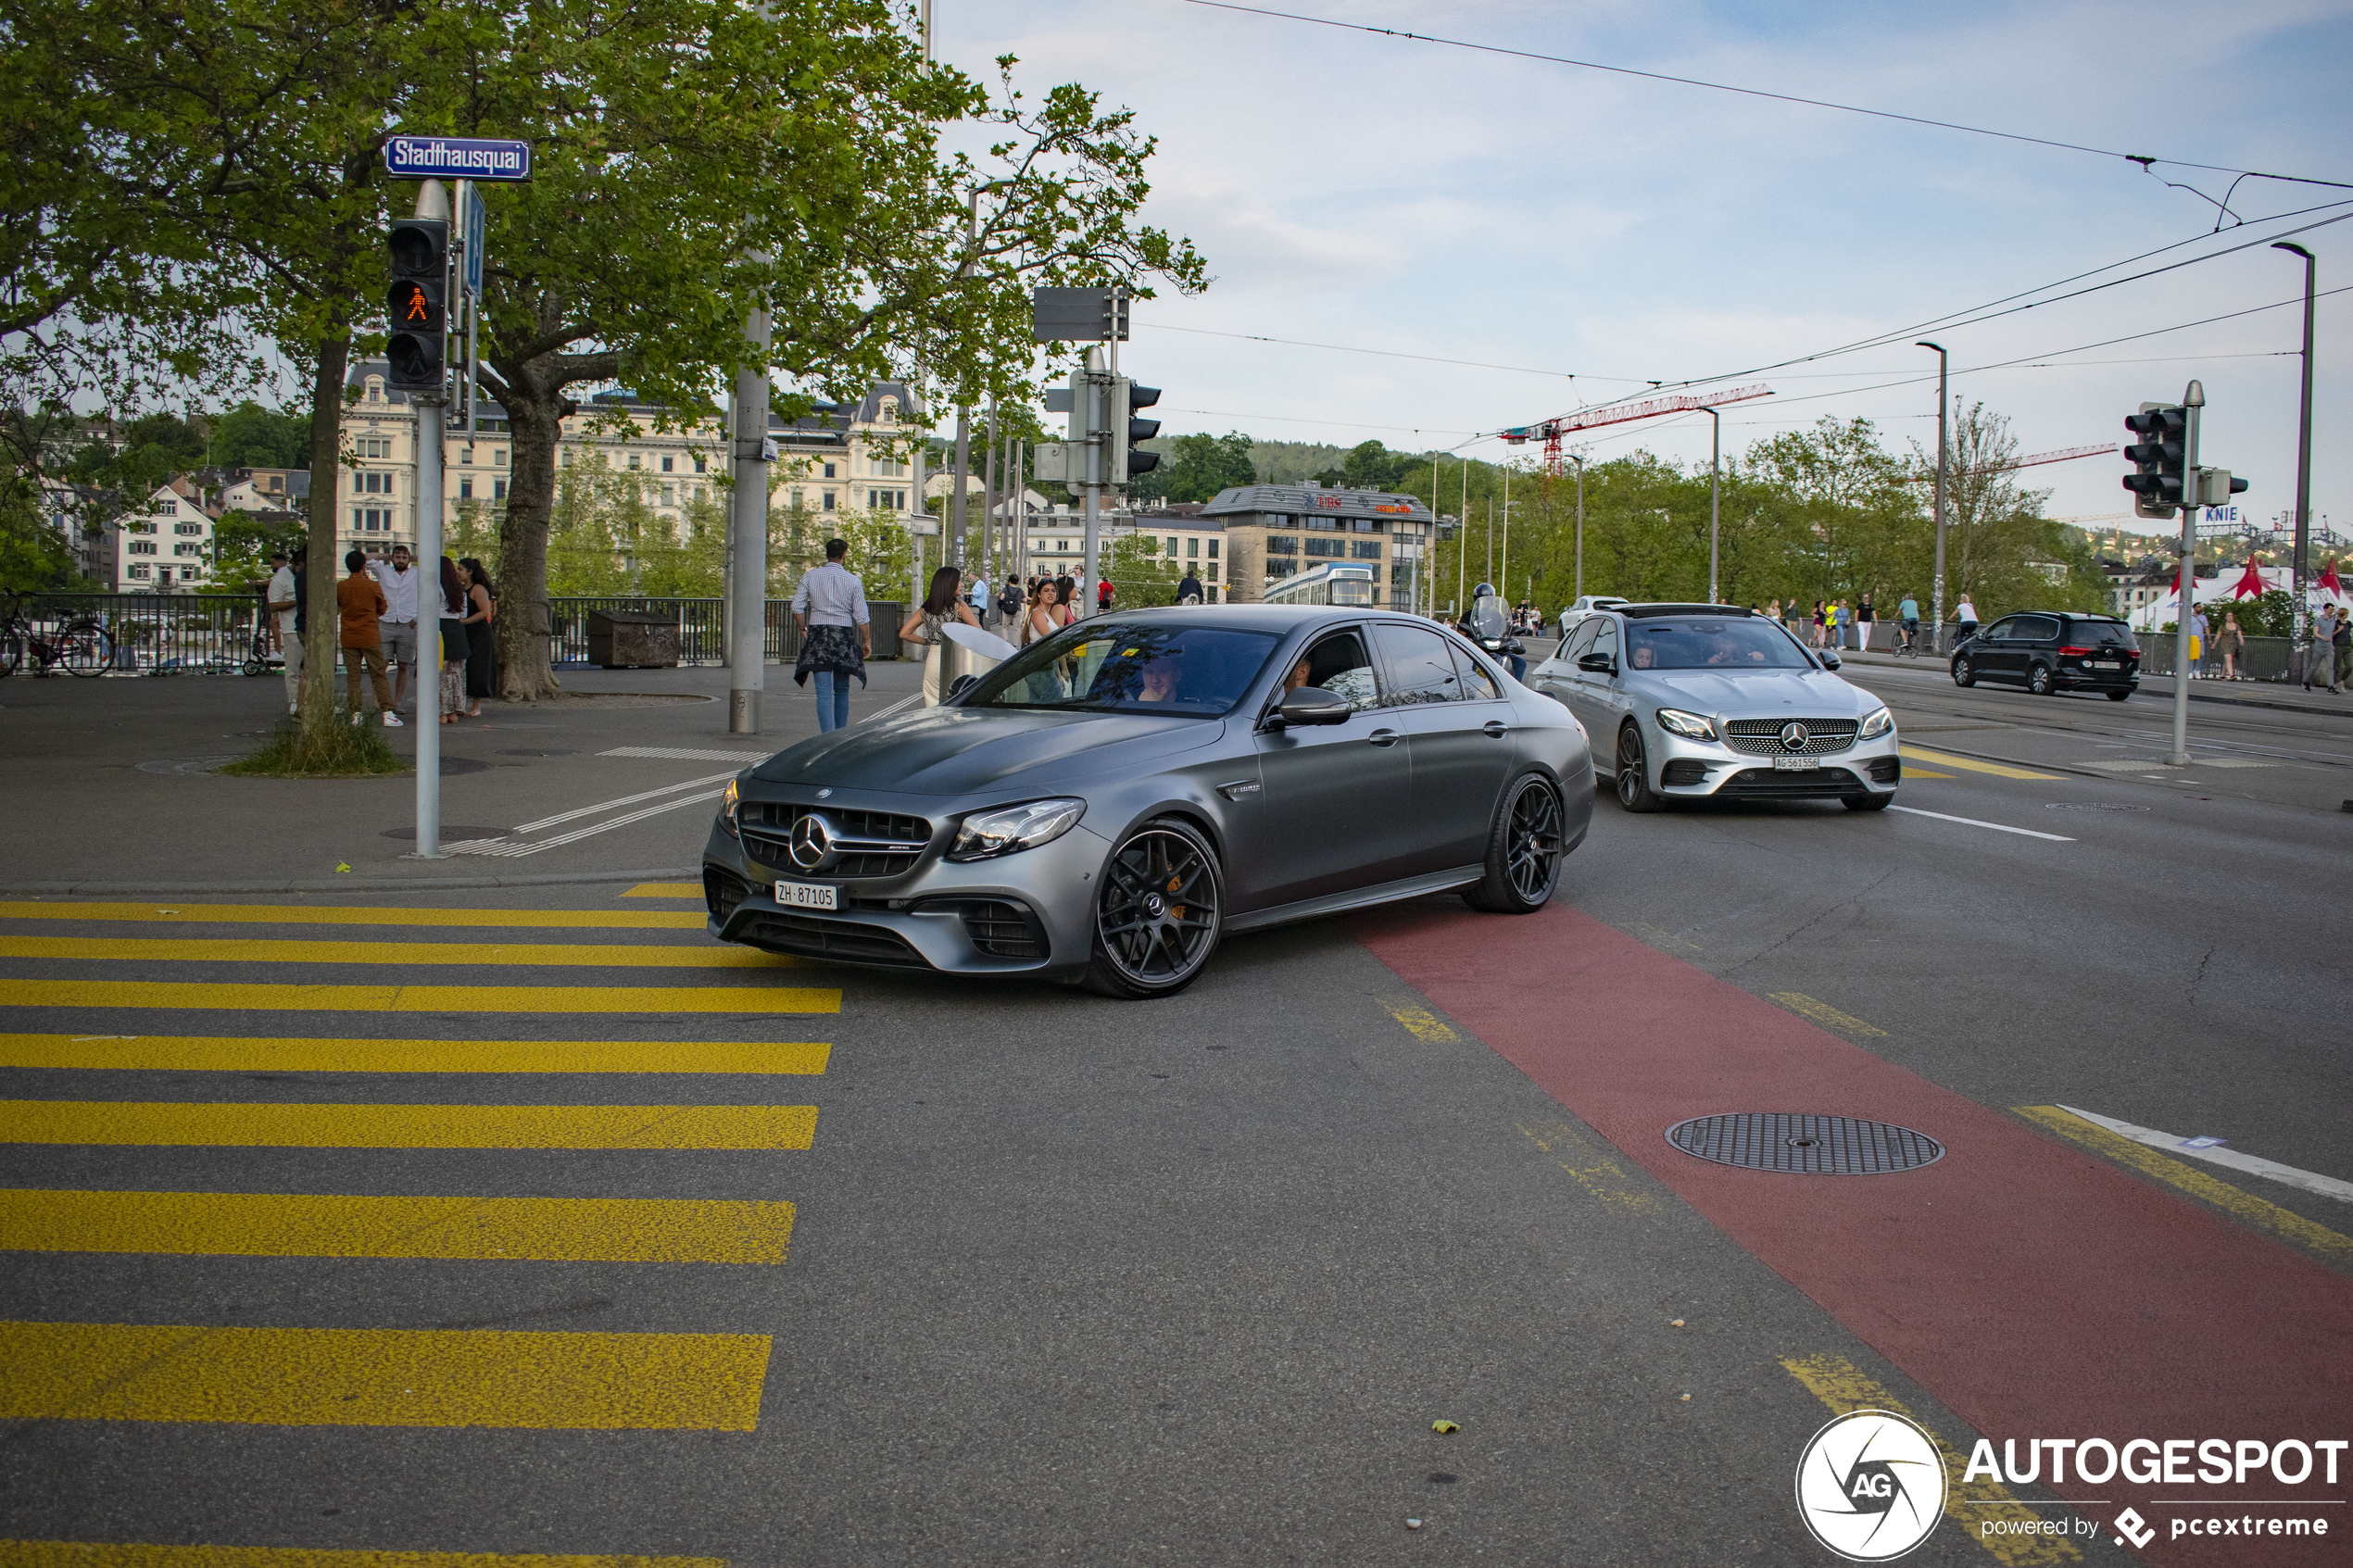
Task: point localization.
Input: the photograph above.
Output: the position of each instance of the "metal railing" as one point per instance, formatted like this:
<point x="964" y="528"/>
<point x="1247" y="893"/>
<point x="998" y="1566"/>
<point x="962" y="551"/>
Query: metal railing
<point x="161" y="634"/>
<point x="702" y="626"/>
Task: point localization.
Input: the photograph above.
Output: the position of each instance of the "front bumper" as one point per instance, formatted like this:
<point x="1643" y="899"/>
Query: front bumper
<point x="1028" y="913"/>
<point x="1684" y="769"/>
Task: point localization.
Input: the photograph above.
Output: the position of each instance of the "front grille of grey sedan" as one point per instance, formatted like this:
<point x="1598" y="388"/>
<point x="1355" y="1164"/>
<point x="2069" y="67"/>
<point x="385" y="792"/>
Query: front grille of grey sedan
<point x="1762" y="738"/>
<point x="863" y="843"/>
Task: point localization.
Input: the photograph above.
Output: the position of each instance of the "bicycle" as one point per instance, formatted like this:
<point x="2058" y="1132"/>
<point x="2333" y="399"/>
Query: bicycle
<point x="1907" y="643"/>
<point x="81" y="646"/>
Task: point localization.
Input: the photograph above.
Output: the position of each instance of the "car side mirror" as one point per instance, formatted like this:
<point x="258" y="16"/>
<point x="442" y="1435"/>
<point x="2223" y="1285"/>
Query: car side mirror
<point x="1315" y="705"/>
<point x="1597" y="663"/>
<point x="1829" y="660"/>
<point x="960" y="686"/>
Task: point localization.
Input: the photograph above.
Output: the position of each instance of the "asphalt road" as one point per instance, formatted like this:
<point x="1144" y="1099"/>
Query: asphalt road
<point x="1067" y="1280"/>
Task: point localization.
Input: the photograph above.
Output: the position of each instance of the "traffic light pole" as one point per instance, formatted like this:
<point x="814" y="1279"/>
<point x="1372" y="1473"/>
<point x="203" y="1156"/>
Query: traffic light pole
<point x="1097" y="428"/>
<point x="2194" y="408"/>
<point x="747" y="531"/>
<point x="432" y="202"/>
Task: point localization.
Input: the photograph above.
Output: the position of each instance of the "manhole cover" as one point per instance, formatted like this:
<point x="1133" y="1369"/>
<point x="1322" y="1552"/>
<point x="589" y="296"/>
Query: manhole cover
<point x="2090" y="805"/>
<point x="1805" y="1145"/>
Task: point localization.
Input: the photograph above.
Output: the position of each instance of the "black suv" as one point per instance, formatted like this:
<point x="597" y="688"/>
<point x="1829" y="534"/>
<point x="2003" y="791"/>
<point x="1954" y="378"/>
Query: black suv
<point x="2049" y="651"/>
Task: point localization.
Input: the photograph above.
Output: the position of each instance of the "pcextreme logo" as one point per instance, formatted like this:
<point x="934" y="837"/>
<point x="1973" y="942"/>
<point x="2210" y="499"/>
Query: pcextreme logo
<point x="1870" y="1486"/>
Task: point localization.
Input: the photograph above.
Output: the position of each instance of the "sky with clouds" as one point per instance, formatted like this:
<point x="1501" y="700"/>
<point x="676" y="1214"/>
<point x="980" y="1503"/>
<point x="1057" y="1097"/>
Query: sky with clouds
<point x="1592" y="232"/>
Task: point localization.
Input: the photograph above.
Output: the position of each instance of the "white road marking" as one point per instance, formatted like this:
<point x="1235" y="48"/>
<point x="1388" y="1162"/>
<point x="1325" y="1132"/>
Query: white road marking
<point x="1972" y="822"/>
<point x="625" y="801"/>
<point x="675" y="754"/>
<point x="512" y="849"/>
<point x="2327" y="1186"/>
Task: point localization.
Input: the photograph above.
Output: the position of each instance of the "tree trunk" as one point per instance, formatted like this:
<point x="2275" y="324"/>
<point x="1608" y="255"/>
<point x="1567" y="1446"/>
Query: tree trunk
<point x="526" y="631"/>
<point x="320" y="566"/>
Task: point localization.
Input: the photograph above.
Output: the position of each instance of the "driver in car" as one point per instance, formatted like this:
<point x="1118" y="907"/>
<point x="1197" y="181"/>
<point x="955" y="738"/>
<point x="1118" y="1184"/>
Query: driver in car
<point x="1641" y="658"/>
<point x="1160" y="680"/>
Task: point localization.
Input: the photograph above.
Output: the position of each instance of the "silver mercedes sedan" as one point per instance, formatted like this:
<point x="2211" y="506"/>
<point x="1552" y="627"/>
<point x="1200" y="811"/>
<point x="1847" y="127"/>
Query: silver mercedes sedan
<point x="1694" y="701"/>
<point x="1109" y="803"/>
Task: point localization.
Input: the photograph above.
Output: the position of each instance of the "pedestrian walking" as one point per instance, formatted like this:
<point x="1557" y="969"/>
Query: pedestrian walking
<point x="2342" y="640"/>
<point x="1066" y="598"/>
<point x="1009" y="602"/>
<point x="451" y="685"/>
<point x="399" y="584"/>
<point x="481" y="608"/>
<point x="2231" y="645"/>
<point x="2198" y="639"/>
<point x="1104" y="593"/>
<point x="835" y="638"/>
<point x="2332" y="637"/>
<point x="941" y="607"/>
<point x="359" y="605"/>
<point x="1818" y="619"/>
<point x="1866" y="617"/>
<point x="284" y="596"/>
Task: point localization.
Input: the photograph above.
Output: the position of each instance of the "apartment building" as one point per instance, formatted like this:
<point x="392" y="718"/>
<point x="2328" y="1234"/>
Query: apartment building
<point x="1273" y="530"/>
<point x="163" y="542"/>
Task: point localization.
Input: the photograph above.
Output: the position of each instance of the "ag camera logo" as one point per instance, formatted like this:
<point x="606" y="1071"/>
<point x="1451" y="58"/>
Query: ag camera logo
<point x="1870" y="1486"/>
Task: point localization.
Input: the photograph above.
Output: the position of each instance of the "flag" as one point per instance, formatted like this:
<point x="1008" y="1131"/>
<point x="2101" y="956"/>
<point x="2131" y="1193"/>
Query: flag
<point x="2250" y="585"/>
<point x="2329" y="582"/>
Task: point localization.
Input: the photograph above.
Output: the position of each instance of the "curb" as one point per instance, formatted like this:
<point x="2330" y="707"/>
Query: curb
<point x="358" y="884"/>
<point x="2196" y="695"/>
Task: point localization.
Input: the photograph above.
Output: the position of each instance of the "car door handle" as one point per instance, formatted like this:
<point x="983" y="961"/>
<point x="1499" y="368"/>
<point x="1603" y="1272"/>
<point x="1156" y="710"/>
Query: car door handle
<point x="1494" y="729"/>
<point x="1384" y="738"/>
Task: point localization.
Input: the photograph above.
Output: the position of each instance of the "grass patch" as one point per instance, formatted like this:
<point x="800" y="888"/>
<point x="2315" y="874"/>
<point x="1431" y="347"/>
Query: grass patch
<point x="340" y="751"/>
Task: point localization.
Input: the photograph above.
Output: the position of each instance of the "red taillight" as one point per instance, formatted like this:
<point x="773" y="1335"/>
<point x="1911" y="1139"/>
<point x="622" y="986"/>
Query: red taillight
<point x="2080" y="653"/>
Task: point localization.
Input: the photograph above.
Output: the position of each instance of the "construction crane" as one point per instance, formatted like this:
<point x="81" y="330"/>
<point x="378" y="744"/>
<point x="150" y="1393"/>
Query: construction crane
<point x="1550" y="431"/>
<point x="2068" y="455"/>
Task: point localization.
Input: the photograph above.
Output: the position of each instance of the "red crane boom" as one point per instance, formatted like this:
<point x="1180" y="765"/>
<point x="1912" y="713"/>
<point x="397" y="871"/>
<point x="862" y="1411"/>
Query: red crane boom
<point x="1551" y="430"/>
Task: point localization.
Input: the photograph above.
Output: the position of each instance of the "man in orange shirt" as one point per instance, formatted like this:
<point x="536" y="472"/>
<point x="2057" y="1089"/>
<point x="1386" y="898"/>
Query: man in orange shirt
<point x="361" y="600"/>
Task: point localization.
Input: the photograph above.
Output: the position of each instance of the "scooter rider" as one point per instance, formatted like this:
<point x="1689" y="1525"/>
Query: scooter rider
<point x="1488" y="626"/>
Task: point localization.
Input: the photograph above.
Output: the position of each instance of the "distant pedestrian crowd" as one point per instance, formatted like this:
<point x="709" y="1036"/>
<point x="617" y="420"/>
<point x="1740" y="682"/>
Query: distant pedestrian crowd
<point x="377" y="633"/>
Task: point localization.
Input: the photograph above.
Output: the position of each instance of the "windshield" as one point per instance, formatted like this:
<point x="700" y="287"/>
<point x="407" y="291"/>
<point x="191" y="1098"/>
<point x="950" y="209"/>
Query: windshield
<point x="1711" y="642"/>
<point x="1487" y="615"/>
<point x="1197" y="671"/>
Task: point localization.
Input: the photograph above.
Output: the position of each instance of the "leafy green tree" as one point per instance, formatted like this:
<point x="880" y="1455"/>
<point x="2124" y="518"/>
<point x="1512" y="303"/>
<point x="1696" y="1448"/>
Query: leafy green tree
<point x="241" y="546"/>
<point x="1141" y="575"/>
<point x="250" y="436"/>
<point x="1197" y="467"/>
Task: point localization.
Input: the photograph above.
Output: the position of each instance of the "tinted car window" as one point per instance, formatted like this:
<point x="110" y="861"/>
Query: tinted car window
<point x="1579" y="641"/>
<point x="2097" y="632"/>
<point x="1337" y="664"/>
<point x="1197" y="671"/>
<point x="1711" y="642"/>
<point x="1607" y="643"/>
<point x="2036" y="628"/>
<point x="2005" y="627"/>
<point x="1419" y="666"/>
<point x="1478" y="684"/>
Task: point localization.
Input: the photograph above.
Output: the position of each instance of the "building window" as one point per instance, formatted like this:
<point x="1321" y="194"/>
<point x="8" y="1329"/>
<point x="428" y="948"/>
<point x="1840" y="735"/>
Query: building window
<point x="1193" y="549"/>
<point x="829" y="473"/>
<point x="1367" y="525"/>
<point x="142" y="548"/>
<point x="498" y="456"/>
<point x="187" y="574"/>
<point x="1171" y="545"/>
<point x="466" y="488"/>
<point x="187" y="549"/>
<point x="1364" y="549"/>
<point x="636" y="462"/>
<point x="194" y="528"/>
<point x="1330" y="548"/>
<point x="138" y="571"/>
<point x="1326" y="524"/>
<point x="829" y="495"/>
<point x="376" y="446"/>
<point x="701" y="463"/>
<point x="666" y="463"/>
<point x="669" y="492"/>
<point x="498" y="489"/>
<point x="1212" y="549"/>
<point x="1283" y="544"/>
<point x="167" y="508"/>
<point x="796" y="499"/>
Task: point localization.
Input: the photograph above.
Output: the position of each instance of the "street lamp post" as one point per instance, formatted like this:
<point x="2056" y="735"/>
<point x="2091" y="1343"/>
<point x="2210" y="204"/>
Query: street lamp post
<point x="2299" y="617"/>
<point x="1715" y="492"/>
<point x="1936" y="598"/>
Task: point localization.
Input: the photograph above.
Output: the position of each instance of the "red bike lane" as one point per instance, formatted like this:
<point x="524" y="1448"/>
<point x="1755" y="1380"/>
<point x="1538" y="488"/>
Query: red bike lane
<point x="2036" y="1290"/>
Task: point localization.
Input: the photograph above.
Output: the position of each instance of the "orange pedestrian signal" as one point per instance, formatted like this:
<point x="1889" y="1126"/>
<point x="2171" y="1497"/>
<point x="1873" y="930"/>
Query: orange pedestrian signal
<point x="411" y="305"/>
<point x="418" y="315"/>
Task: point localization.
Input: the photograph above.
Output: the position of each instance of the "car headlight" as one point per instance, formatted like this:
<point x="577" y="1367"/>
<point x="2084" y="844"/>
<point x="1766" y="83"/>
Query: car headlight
<point x="1010" y="828"/>
<point x="1691" y="726"/>
<point x="728" y="803"/>
<point x="1878" y="724"/>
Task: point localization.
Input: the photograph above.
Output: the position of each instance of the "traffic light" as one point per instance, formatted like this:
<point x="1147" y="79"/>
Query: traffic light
<point x="417" y="302"/>
<point x="2157" y="481"/>
<point x="2215" y="487"/>
<point x="1128" y="463"/>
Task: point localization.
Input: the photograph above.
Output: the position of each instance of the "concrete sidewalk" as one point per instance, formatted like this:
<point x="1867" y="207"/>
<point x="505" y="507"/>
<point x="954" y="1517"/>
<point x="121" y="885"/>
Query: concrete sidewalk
<point x="110" y="789"/>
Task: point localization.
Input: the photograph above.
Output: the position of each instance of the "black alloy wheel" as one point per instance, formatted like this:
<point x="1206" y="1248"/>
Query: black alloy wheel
<point x="2119" y="696"/>
<point x="1866" y="802"/>
<point x="2038" y="680"/>
<point x="1964" y="672"/>
<point x="1524" y="851"/>
<point x="1634" y="790"/>
<point x="1158" y="914"/>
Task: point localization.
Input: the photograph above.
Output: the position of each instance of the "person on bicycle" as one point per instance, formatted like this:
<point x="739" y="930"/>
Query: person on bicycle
<point x="1908" y="612"/>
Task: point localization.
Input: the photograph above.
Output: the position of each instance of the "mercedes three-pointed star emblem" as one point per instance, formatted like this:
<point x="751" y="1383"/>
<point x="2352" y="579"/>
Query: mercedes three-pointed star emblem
<point x="1794" y="736"/>
<point x="813" y="840"/>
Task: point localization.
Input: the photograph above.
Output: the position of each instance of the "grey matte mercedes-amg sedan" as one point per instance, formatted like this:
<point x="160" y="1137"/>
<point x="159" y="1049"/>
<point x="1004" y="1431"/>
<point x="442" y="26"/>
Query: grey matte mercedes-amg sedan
<point x="1109" y="803"/>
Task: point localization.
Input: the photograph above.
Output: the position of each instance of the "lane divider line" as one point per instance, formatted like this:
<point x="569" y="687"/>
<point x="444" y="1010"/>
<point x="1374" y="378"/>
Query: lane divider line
<point x="146" y="1554"/>
<point x="2281" y="1225"/>
<point x="673" y="754"/>
<point x="1845" y="1388"/>
<point x="1971" y="764"/>
<point x="207" y="1053"/>
<point x="2253" y="1165"/>
<point x="666" y="890"/>
<point x="1972" y="822"/>
<point x="251" y="1126"/>
<point x="461" y="1001"/>
<point x="227" y="950"/>
<point x="625" y="801"/>
<point x="353" y="914"/>
<point x="512" y="850"/>
<point x="248" y="1225"/>
<point x="382" y="1378"/>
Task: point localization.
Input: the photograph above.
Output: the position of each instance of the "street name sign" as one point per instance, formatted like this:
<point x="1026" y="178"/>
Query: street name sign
<point x="455" y="157"/>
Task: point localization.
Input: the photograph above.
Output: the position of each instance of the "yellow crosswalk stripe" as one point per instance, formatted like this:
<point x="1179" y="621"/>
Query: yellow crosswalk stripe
<point x="199" y="1053"/>
<point x="463" y="1000"/>
<point x="142" y="1554"/>
<point x="336" y="915"/>
<point x="1969" y="764"/>
<point x="248" y="1224"/>
<point x="381" y="1377"/>
<point x="665" y="890"/>
<point x="192" y="950"/>
<point x="407" y="1126"/>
